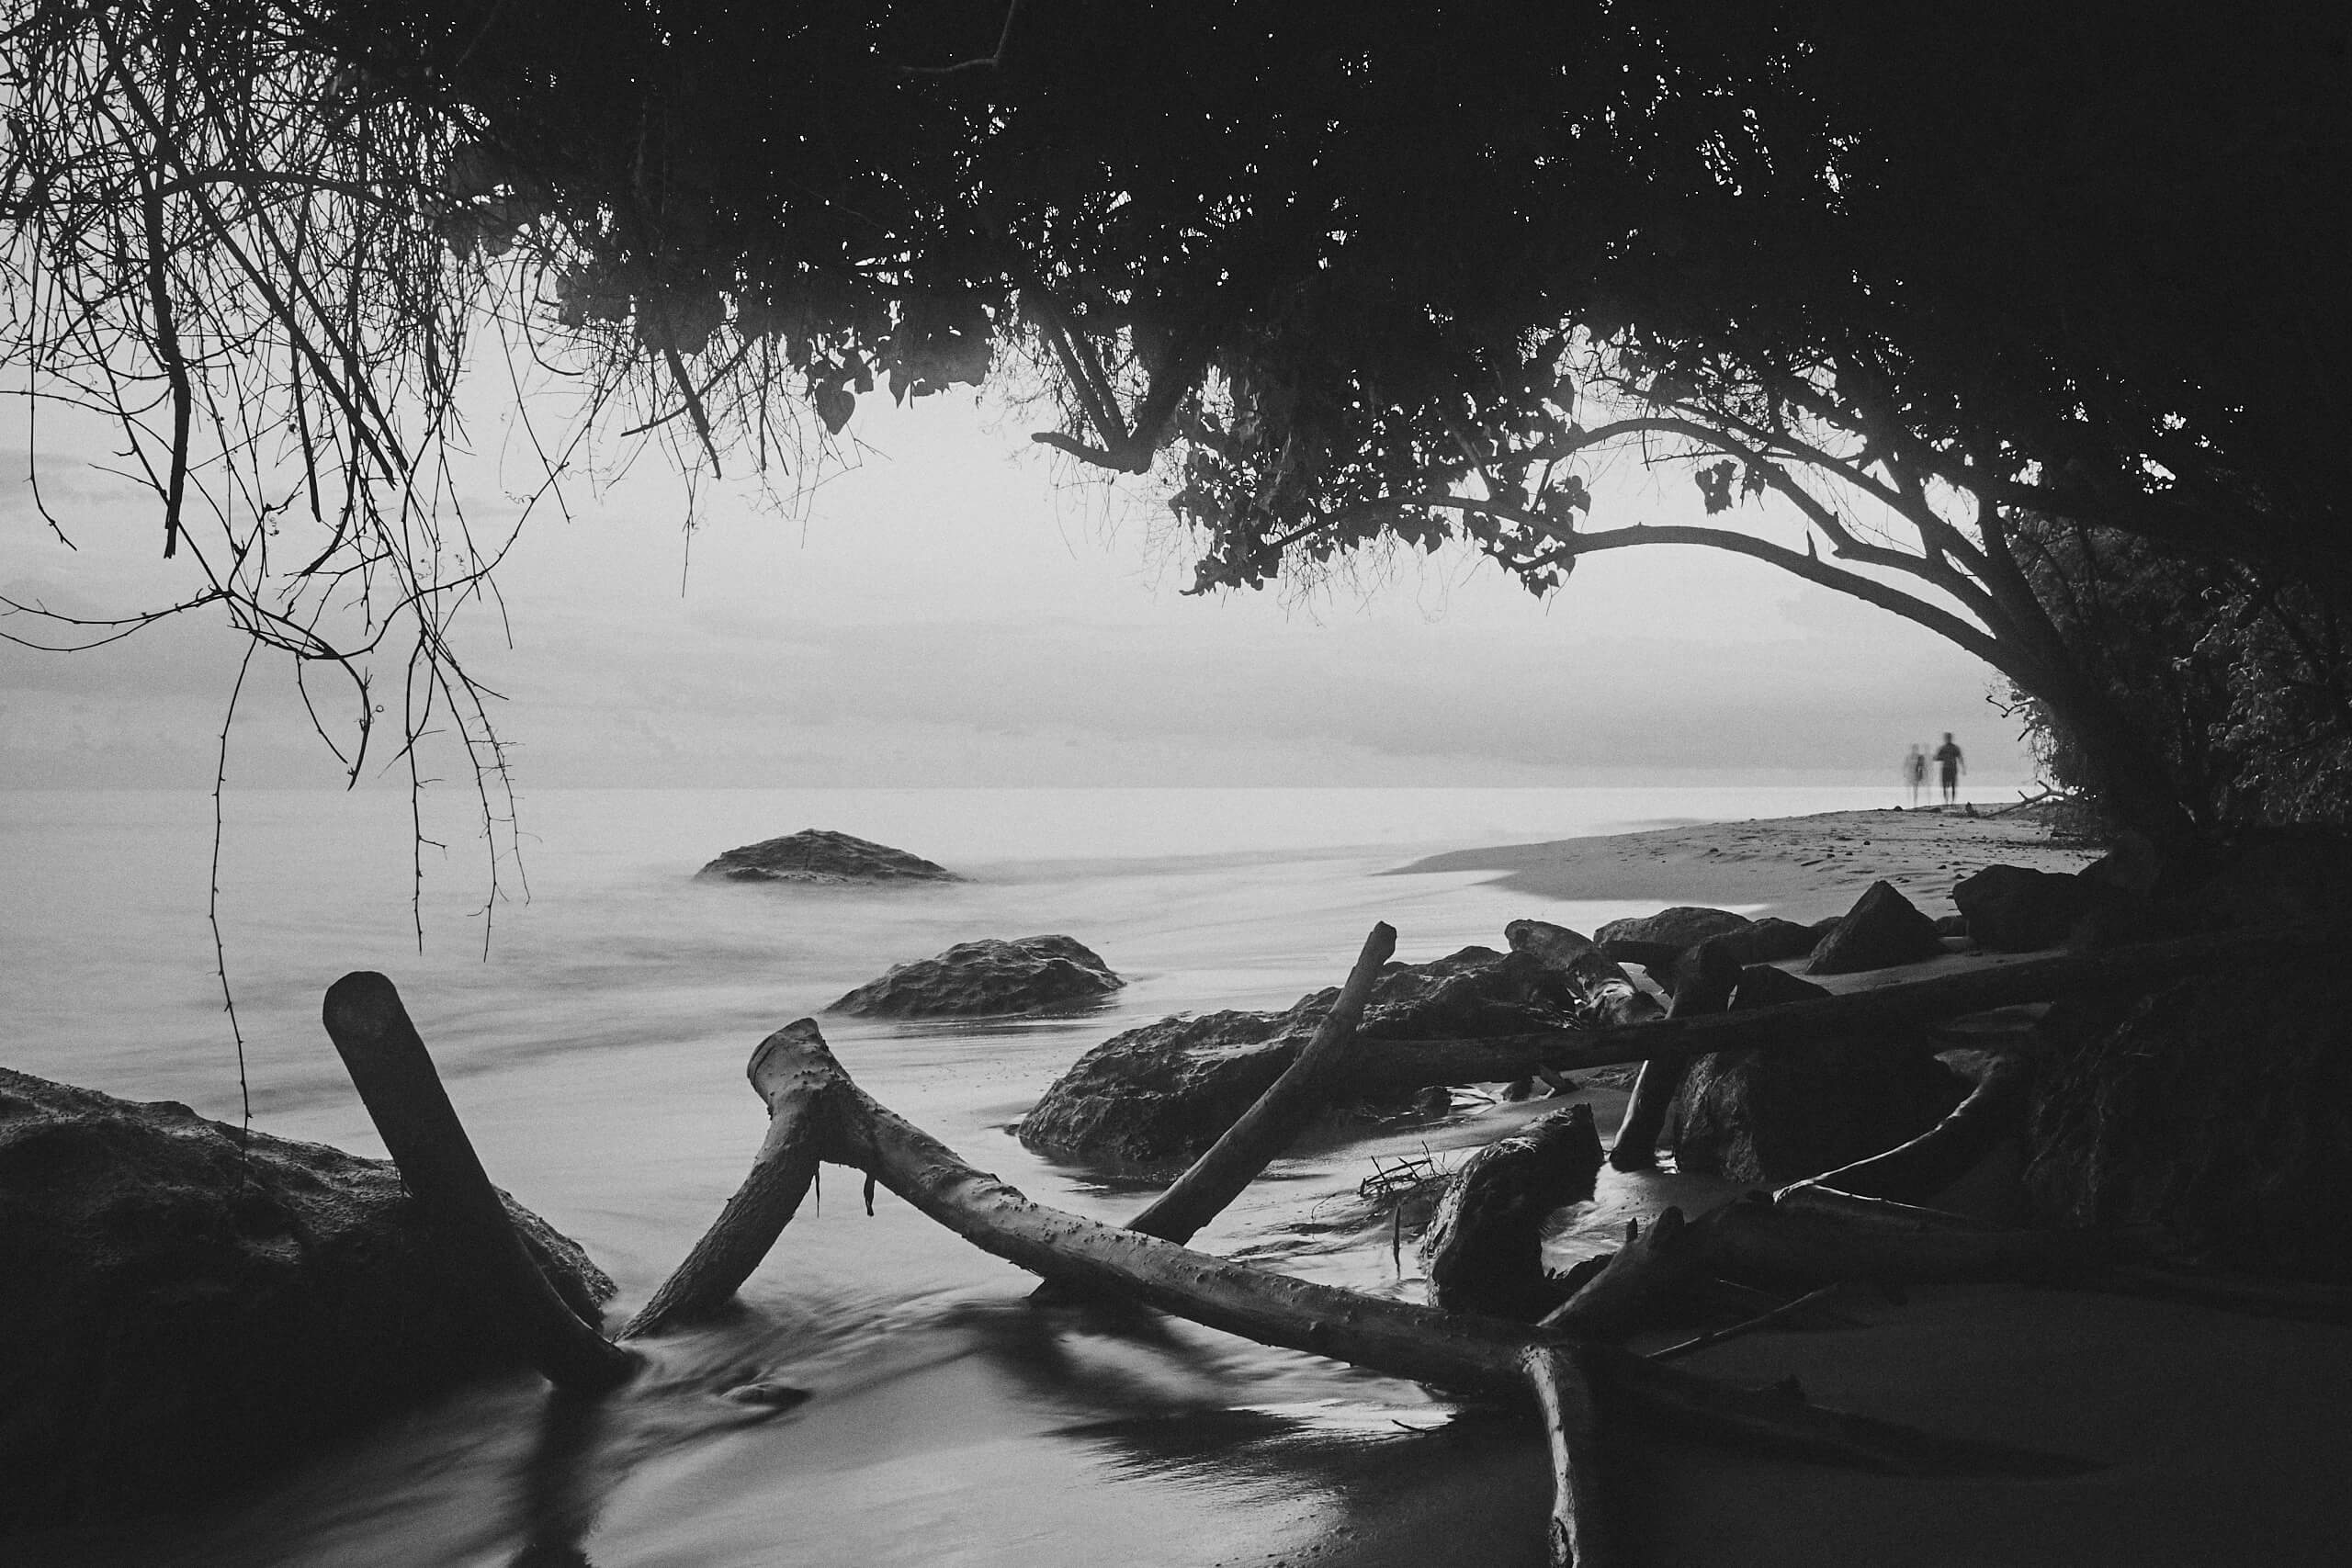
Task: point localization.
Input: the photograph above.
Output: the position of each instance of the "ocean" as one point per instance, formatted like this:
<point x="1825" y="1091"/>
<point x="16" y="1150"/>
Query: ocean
<point x="594" y="1039"/>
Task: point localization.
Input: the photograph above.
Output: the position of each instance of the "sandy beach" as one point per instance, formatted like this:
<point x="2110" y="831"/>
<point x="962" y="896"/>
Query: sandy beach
<point x="2218" y="1436"/>
<point x="1800" y="868"/>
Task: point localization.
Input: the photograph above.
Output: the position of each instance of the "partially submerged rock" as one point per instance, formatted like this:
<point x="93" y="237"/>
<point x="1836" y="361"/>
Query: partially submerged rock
<point x="183" y="1311"/>
<point x="821" y="856"/>
<point x="1883" y="928"/>
<point x="1158" y="1096"/>
<point x="989" y="977"/>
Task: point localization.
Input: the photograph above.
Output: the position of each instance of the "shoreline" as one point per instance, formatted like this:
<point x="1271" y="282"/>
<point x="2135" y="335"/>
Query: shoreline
<point x="1800" y="868"/>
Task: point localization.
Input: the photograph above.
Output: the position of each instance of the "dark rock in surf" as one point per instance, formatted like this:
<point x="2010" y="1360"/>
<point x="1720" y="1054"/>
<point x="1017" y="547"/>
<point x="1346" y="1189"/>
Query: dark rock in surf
<point x="1769" y="940"/>
<point x="1761" y="985"/>
<point x="1883" y="928"/>
<point x="1154" y="1098"/>
<point x="985" y="978"/>
<point x="1484" y="1252"/>
<point x="819" y="856"/>
<point x="183" y="1311"/>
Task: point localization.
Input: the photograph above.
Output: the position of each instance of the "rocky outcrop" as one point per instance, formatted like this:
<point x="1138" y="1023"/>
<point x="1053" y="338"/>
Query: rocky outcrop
<point x="1156" y="1096"/>
<point x="819" y="856"/>
<point x="2218" y="1107"/>
<point x="1883" y="928"/>
<point x="985" y="978"/>
<point x="183" y="1311"/>
<point x="1657" y="941"/>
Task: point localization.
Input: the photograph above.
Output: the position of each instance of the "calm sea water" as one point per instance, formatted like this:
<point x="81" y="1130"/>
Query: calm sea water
<point x="595" y="1050"/>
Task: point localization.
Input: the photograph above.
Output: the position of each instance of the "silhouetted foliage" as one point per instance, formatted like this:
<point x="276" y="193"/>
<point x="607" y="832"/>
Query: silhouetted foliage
<point x="1923" y="274"/>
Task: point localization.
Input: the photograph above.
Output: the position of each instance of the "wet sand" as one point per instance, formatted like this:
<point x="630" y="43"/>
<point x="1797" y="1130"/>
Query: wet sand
<point x="2220" y="1436"/>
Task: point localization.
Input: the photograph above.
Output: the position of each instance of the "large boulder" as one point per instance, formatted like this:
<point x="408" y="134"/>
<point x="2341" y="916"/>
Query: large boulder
<point x="185" y="1308"/>
<point x="821" y="856"/>
<point x="2012" y="909"/>
<point x="2218" y="1107"/>
<point x="1683" y="926"/>
<point x="1883" y="928"/>
<point x="1154" y="1098"/>
<point x="1773" y="1116"/>
<point x="1030" y="973"/>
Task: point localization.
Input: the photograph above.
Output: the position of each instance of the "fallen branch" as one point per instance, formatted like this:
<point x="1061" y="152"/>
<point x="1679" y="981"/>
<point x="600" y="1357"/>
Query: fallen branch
<point x="1915" y="1172"/>
<point x="1564" y="1394"/>
<point x="1281" y="1114"/>
<point x="1383" y="1064"/>
<point x="1469" y="1354"/>
<point x="760" y="1208"/>
<point x="394" y="1075"/>
<point x="1761" y="1320"/>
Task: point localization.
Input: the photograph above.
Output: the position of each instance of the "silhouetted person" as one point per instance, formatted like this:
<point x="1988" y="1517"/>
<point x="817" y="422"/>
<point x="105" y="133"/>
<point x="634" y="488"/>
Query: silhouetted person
<point x="1915" y="771"/>
<point x="1951" y="764"/>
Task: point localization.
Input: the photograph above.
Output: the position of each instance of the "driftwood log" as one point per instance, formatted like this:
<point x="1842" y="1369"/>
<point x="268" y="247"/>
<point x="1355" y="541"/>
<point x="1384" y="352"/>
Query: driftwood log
<point x="395" y="1076"/>
<point x="1703" y="979"/>
<point x="1471" y="1354"/>
<point x="1484" y="1251"/>
<point x="1281" y="1114"/>
<point x="1383" y="1064"/>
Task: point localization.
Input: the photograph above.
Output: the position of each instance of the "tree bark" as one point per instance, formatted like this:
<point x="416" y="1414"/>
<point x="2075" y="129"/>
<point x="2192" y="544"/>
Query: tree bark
<point x="1281" y="1114"/>
<point x="395" y="1076"/>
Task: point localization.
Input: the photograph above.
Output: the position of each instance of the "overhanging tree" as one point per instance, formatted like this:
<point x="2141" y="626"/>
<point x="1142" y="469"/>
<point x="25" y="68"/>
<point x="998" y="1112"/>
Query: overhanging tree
<point x="1950" y="273"/>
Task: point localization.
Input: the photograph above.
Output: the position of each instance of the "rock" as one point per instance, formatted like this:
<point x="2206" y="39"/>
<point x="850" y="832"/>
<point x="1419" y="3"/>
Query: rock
<point x="2011" y="909"/>
<point x="990" y="977"/>
<point x="1777" y="1116"/>
<point x="1761" y="985"/>
<point x="1882" y="929"/>
<point x="182" y="1314"/>
<point x="1684" y="926"/>
<point x="1769" y="940"/>
<point x="1154" y="1098"/>
<point x="2218" y="1107"/>
<point x="1951" y="925"/>
<point x="819" y="856"/>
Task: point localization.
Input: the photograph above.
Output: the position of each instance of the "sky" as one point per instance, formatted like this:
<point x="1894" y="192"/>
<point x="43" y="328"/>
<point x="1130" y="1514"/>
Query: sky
<point x="966" y="608"/>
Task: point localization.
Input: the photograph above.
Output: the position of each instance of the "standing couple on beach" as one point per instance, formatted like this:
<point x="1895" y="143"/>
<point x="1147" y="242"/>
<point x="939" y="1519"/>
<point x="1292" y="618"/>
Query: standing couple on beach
<point x="1948" y="761"/>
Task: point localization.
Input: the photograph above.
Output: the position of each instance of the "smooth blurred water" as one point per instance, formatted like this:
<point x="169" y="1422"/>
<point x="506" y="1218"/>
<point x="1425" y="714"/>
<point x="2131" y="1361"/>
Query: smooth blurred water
<point x="595" y="1050"/>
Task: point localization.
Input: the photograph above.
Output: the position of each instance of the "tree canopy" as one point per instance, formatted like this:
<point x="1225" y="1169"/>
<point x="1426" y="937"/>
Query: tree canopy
<point x="1977" y="273"/>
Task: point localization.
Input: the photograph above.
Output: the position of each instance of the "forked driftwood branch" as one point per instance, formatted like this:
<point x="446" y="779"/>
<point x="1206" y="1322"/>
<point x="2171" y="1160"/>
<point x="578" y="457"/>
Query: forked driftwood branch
<point x="1562" y="1367"/>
